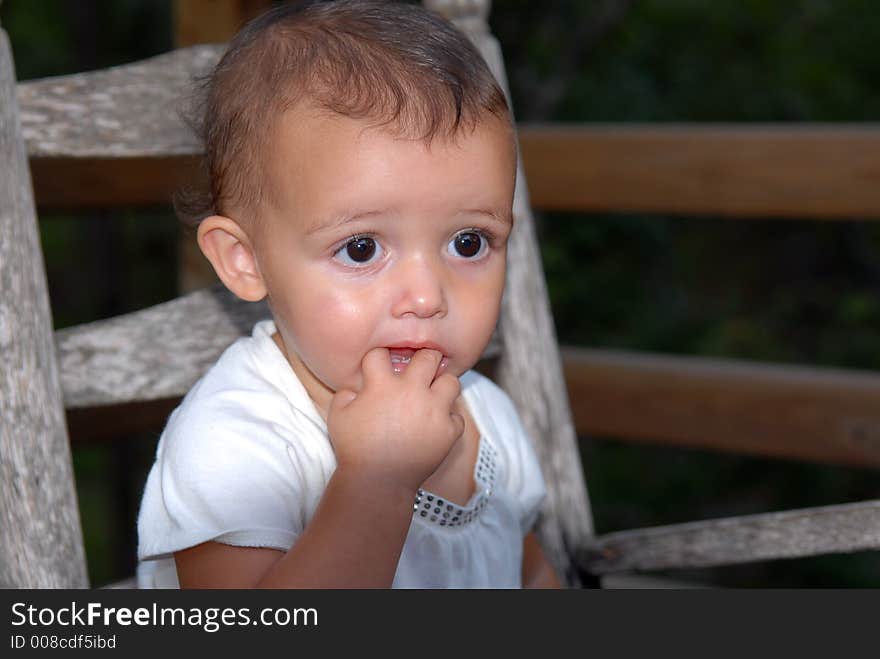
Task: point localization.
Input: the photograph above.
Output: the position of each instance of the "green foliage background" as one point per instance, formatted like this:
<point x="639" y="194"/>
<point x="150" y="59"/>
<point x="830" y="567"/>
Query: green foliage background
<point x="782" y="291"/>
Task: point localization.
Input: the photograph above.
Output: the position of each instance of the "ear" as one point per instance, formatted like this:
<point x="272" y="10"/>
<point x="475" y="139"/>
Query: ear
<point x="228" y="248"/>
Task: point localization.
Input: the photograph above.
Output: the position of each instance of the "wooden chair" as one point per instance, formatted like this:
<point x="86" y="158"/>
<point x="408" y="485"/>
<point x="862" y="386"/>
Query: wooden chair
<point x="110" y="118"/>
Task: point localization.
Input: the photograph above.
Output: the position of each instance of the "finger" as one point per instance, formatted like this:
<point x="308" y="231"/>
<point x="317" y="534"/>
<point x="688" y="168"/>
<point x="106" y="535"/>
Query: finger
<point x="341" y="399"/>
<point x="458" y="423"/>
<point x="447" y="386"/>
<point x="376" y="365"/>
<point x="423" y="365"/>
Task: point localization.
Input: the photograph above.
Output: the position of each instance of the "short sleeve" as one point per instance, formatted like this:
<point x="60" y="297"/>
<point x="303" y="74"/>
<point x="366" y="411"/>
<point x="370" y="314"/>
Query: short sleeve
<point x="525" y="478"/>
<point x="225" y="473"/>
<point x="524" y="481"/>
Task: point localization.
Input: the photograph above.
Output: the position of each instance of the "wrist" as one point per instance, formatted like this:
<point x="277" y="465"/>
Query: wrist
<point x="373" y="487"/>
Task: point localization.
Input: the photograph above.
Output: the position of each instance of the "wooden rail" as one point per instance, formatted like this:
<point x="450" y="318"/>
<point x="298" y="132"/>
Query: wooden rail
<point x="840" y="528"/>
<point x="785" y="170"/>
<point x="815" y="414"/>
<point x="811" y="171"/>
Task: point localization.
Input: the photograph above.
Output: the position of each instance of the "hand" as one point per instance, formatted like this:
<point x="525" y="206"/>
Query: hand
<point x="398" y="427"/>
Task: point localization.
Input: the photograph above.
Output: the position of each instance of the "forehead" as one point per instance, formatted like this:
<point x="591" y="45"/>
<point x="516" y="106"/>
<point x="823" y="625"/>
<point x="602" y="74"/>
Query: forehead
<point x="307" y="132"/>
<point x="321" y="163"/>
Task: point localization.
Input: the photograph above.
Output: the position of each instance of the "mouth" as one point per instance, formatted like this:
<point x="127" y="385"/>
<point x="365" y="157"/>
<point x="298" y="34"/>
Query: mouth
<point x="402" y="355"/>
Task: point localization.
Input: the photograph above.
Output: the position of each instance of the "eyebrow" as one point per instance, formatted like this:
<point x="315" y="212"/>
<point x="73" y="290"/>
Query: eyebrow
<point x="341" y="219"/>
<point x="503" y="217"/>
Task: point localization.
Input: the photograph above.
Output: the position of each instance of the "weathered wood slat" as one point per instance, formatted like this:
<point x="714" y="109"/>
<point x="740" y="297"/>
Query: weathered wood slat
<point x="529" y="367"/>
<point x="789" y="534"/>
<point x="817" y="414"/>
<point x="41" y="543"/>
<point x="114" y="137"/>
<point x="787" y="170"/>
<point x="151" y="354"/>
<point x="129" y="111"/>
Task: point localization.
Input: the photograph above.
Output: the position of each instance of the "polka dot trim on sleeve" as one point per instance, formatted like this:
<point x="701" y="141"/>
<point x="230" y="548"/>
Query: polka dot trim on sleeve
<point x="436" y="510"/>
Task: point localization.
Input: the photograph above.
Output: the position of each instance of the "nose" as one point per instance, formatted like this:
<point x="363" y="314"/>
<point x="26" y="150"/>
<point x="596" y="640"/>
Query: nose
<point x="421" y="290"/>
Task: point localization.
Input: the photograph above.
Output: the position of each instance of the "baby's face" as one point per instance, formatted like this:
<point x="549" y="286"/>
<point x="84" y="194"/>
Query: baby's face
<point x="377" y="241"/>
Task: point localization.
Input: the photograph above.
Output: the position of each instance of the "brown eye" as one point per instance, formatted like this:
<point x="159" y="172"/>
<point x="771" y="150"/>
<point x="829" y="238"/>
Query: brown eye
<point x="361" y="250"/>
<point x="468" y="244"/>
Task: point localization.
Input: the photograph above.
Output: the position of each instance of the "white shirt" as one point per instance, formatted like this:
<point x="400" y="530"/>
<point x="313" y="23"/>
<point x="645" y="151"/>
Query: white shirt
<point x="245" y="458"/>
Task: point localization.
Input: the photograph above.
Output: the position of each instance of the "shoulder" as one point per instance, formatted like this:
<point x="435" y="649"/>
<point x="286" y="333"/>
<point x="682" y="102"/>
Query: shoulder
<point x="499" y="422"/>
<point x="250" y="387"/>
<point x="240" y="459"/>
<point x="475" y="384"/>
<point x="489" y="402"/>
<point x="253" y="366"/>
<point x="497" y="417"/>
<point x="248" y="421"/>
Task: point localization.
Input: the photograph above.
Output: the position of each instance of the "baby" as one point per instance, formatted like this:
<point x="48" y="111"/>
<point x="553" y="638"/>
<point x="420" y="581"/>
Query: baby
<point x="362" y="165"/>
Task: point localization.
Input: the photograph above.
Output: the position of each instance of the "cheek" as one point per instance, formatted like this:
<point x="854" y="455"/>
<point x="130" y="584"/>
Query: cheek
<point x="481" y="298"/>
<point x="336" y="304"/>
<point x="332" y="315"/>
<point x="331" y="328"/>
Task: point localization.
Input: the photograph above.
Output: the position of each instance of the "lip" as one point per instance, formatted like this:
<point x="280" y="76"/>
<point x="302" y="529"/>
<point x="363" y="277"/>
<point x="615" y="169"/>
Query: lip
<point x="400" y="361"/>
<point x="417" y="345"/>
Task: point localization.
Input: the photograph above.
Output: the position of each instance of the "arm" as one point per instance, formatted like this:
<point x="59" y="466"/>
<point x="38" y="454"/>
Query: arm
<point x="536" y="570"/>
<point x="343" y="546"/>
<point x="356" y="535"/>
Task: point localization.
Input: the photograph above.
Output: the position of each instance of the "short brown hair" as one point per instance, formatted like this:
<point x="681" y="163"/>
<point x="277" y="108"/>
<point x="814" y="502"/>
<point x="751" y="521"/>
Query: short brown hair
<point x="395" y="64"/>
